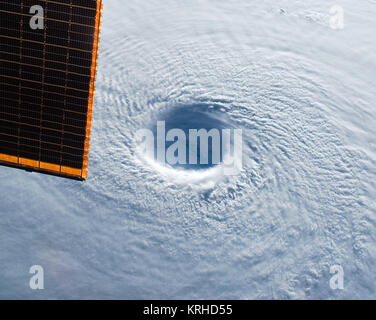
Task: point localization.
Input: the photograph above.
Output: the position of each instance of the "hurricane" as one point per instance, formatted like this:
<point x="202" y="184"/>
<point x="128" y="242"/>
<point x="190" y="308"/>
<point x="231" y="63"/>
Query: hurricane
<point x="296" y="77"/>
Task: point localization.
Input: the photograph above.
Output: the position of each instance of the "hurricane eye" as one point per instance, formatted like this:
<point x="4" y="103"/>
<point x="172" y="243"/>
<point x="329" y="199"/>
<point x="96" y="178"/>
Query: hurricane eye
<point x="191" y="137"/>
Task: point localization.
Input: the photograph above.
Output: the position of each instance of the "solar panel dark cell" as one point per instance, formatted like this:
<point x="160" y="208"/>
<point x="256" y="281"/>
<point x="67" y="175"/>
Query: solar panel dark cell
<point x="47" y="84"/>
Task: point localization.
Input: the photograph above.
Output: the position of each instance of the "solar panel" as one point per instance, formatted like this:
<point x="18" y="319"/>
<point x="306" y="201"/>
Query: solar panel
<point x="48" y="58"/>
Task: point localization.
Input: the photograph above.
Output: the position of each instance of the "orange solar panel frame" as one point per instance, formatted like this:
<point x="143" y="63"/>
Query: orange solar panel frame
<point x="19" y="130"/>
